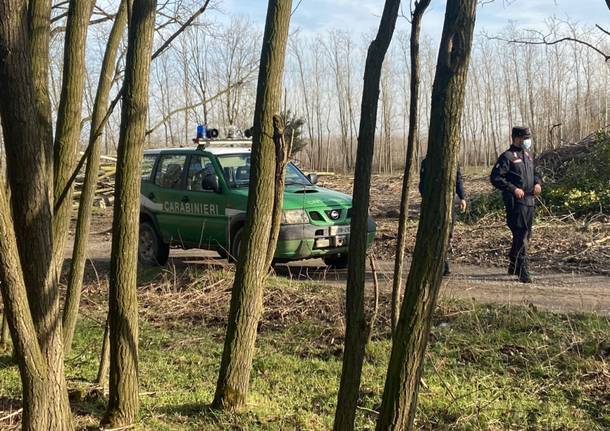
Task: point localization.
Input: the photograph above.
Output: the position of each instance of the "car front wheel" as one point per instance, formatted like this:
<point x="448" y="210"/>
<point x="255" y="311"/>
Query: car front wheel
<point x="337" y="261"/>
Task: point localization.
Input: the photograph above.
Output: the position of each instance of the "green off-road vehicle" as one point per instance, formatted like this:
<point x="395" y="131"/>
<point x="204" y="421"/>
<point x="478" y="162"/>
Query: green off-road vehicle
<point x="197" y="198"/>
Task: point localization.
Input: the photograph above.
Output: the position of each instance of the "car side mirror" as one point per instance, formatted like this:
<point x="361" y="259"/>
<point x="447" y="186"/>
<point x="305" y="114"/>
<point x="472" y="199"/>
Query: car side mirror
<point x="313" y="178"/>
<point x="210" y="182"/>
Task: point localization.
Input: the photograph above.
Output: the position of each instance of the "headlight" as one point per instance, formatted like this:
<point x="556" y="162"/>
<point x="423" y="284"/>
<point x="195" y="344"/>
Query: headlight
<point x="295" y="217"/>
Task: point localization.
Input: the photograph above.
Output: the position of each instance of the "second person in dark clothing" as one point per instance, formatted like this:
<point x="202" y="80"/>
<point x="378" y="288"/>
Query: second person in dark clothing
<point x="459" y="191"/>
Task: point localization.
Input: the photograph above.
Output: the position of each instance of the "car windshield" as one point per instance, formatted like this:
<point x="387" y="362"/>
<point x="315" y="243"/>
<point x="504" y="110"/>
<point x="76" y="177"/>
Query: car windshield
<point x="236" y="170"/>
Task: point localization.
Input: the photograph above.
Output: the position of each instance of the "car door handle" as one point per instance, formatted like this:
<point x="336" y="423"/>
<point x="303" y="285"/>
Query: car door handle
<point x="151" y="196"/>
<point x="185" y="199"/>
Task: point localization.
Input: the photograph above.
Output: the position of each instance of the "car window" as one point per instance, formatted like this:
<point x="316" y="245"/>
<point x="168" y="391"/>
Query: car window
<point x="148" y="163"/>
<point x="236" y="170"/>
<point x="199" y="167"/>
<point x="295" y="177"/>
<point x="169" y="172"/>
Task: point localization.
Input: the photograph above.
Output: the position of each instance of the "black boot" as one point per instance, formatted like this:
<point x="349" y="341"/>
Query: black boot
<point x="512" y="267"/>
<point x="523" y="272"/>
<point x="446" y="271"/>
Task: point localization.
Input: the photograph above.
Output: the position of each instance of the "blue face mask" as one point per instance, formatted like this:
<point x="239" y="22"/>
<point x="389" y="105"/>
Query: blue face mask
<point x="527" y="144"/>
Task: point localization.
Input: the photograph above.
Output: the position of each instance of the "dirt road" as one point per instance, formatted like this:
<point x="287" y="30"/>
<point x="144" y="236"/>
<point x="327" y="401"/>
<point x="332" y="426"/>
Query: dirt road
<point x="550" y="290"/>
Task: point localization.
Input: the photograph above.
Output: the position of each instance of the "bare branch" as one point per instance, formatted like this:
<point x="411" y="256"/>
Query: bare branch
<point x="602" y="29"/>
<point x="544" y="41"/>
<point x="296" y="7"/>
<point x="193" y="106"/>
<point x="181" y="29"/>
<point x="115" y="101"/>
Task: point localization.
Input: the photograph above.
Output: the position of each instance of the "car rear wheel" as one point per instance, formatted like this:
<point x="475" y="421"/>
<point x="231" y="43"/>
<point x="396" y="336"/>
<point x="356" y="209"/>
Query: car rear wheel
<point x="152" y="251"/>
<point x="337" y="261"/>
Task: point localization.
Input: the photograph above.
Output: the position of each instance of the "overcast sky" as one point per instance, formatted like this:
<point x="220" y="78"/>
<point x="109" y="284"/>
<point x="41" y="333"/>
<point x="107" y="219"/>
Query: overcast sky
<point x="362" y="16"/>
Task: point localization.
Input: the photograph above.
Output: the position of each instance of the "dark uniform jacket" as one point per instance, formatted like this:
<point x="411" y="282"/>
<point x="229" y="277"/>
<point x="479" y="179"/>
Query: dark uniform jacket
<point x="515" y="169"/>
<point x="459" y="182"/>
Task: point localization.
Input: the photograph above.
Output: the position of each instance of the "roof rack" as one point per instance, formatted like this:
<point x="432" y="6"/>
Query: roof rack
<point x="202" y="144"/>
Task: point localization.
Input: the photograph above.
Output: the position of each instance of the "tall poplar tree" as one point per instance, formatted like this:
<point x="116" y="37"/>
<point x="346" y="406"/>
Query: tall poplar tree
<point x="410" y="338"/>
<point x="123" y="400"/>
<point x="260" y="231"/>
<point x="357" y="330"/>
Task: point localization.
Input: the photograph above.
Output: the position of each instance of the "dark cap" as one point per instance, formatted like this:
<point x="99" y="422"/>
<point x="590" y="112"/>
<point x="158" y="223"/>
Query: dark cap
<point x="521" y="132"/>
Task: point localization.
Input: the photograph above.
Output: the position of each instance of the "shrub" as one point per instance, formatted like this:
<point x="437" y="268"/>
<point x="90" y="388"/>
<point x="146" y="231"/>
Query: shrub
<point x="483" y="204"/>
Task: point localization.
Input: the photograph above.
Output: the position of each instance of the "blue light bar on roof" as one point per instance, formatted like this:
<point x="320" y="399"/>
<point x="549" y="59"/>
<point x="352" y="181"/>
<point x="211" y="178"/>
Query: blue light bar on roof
<point x="201" y="131"/>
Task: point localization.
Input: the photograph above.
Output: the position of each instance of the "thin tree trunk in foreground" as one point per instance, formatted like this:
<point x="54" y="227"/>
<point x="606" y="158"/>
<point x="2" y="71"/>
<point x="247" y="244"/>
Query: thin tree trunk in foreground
<point x="252" y="268"/>
<point x="357" y="330"/>
<point x="32" y="367"/>
<point x="401" y="242"/>
<point x="67" y="133"/>
<point x="39" y="29"/>
<point x="102" y="371"/>
<point x="123" y="403"/>
<point x="35" y="320"/>
<point x="4" y="332"/>
<point x="411" y="336"/>
<point x="81" y="239"/>
<point x="281" y="158"/>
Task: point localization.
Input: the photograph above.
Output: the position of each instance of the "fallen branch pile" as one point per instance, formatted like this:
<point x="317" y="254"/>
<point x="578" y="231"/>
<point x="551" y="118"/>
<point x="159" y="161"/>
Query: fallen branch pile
<point x="203" y="298"/>
<point x="553" y="162"/>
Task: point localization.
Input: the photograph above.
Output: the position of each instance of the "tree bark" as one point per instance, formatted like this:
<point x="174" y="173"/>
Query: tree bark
<point x="357" y="329"/>
<point x="252" y="268"/>
<point x="411" y="335"/>
<point x="4" y="332"/>
<point x="79" y="253"/>
<point x="32" y="366"/>
<point x="401" y="242"/>
<point x="122" y="407"/>
<point x="102" y="371"/>
<point x="39" y="26"/>
<point x="281" y="158"/>
<point x="67" y="132"/>
<point x="27" y="133"/>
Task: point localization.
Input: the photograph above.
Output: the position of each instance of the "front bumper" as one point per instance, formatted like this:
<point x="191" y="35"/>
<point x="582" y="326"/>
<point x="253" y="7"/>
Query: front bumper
<point x="304" y="241"/>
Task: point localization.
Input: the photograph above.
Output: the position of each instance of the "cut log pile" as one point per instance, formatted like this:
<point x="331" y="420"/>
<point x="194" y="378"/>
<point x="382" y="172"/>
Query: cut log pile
<point x="104" y="192"/>
<point x="552" y="162"/>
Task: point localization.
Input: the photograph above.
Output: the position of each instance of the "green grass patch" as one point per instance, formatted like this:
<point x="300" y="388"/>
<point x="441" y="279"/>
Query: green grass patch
<point x="487" y="367"/>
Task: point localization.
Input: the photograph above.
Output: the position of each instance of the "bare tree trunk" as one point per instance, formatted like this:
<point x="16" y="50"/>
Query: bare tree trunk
<point x="411" y="335"/>
<point x="102" y="371"/>
<point x="79" y="253"/>
<point x="35" y="383"/>
<point x="401" y="242"/>
<point x="123" y="301"/>
<point x="25" y="111"/>
<point x="281" y="158"/>
<point x="247" y="296"/>
<point x="67" y="132"/>
<point x="39" y="24"/>
<point x="356" y="332"/>
<point x="308" y="115"/>
<point x="4" y="332"/>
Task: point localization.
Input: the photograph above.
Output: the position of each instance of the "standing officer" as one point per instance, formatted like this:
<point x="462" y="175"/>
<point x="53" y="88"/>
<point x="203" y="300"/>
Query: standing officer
<point x="459" y="191"/>
<point x="514" y="175"/>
